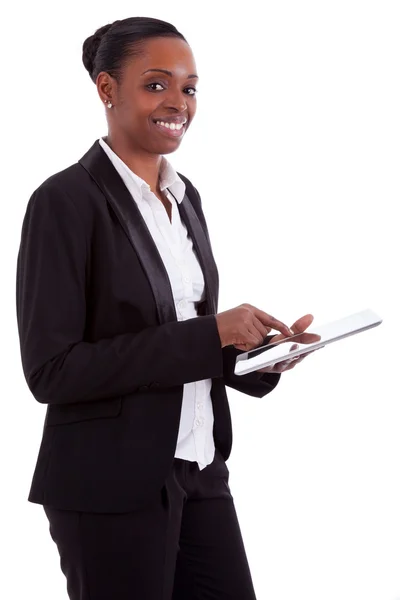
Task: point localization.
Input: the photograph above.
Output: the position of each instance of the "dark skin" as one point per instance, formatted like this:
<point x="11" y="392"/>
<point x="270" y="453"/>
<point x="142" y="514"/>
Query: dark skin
<point x="141" y="98"/>
<point x="166" y="94"/>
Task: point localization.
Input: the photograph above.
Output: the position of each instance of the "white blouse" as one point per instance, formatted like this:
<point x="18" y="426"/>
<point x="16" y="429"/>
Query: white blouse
<point x="195" y="437"/>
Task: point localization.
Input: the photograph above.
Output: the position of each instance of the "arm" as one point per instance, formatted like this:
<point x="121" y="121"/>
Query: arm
<point x="60" y="367"/>
<point x="253" y="384"/>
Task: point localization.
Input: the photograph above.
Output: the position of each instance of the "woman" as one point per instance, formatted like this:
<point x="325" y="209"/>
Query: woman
<point x="117" y="293"/>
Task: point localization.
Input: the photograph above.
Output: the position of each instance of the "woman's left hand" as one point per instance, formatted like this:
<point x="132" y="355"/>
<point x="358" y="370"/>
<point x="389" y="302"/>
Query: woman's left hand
<point x="298" y="327"/>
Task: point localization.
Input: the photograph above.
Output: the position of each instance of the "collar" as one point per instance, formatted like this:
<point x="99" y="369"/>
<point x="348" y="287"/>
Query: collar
<point x="169" y="178"/>
<point x="119" y="198"/>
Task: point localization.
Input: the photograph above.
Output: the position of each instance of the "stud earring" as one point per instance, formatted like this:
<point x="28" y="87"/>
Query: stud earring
<point x="109" y="105"/>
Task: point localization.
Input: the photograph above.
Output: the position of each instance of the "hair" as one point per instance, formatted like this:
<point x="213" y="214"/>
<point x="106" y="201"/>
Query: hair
<point x="111" y="45"/>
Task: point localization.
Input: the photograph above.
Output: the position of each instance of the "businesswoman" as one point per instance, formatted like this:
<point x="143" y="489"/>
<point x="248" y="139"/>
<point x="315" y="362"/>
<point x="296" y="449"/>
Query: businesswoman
<point x="117" y="293"/>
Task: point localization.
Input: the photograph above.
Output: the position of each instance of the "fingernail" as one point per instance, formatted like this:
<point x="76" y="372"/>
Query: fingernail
<point x="291" y="331"/>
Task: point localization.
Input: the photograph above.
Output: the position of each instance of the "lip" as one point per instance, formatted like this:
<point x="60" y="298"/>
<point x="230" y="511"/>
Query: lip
<point x="170" y="133"/>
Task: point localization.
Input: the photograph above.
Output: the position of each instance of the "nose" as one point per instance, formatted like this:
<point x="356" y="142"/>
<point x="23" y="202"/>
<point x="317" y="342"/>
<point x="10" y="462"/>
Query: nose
<point x="176" y="99"/>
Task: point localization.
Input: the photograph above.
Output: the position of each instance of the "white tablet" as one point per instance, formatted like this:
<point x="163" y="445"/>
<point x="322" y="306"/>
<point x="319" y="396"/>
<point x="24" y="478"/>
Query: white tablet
<point x="312" y="339"/>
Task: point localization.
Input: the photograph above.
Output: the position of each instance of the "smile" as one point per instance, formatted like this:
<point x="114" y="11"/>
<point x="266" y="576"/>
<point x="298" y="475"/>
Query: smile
<point x="171" y="129"/>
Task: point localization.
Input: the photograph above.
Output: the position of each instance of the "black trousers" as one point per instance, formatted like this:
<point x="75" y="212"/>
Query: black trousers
<point x="187" y="545"/>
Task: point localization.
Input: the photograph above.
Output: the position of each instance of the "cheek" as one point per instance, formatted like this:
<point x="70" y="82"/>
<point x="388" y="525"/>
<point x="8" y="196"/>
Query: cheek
<point x="145" y="104"/>
<point x="137" y="108"/>
<point x="192" y="107"/>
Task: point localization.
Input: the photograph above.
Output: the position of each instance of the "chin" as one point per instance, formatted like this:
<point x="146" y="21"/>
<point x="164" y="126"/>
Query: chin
<point x="167" y="148"/>
<point x="170" y="150"/>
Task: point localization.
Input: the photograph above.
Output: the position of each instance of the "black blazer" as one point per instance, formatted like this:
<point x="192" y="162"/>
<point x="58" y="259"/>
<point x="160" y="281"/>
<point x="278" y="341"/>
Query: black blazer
<point x="101" y="344"/>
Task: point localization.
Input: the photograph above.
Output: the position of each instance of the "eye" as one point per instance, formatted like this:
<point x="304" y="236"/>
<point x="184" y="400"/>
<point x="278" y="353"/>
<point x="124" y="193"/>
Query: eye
<point x="194" y="91"/>
<point x="151" y="87"/>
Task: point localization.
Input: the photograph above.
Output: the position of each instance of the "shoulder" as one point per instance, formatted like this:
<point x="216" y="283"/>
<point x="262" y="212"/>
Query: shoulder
<point x="68" y="180"/>
<point x="68" y="190"/>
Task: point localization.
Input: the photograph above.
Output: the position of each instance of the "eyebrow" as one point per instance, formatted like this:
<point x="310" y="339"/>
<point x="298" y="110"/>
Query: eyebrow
<point x="192" y="76"/>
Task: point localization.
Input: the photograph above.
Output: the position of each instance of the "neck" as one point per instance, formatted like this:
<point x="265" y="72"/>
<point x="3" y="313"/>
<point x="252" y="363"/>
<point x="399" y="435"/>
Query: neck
<point x="145" y="166"/>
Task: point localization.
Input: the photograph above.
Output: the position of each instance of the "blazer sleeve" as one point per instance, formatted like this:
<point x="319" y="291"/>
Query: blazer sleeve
<point x="58" y="365"/>
<point x="253" y="384"/>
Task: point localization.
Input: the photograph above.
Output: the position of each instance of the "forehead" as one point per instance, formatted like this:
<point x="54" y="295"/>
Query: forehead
<point x="170" y="53"/>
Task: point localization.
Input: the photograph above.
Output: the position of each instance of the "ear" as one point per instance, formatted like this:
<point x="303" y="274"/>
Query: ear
<point x="106" y="87"/>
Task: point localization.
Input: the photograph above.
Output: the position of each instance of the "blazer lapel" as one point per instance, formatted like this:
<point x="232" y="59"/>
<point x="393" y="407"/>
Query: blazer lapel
<point x="203" y="251"/>
<point x="98" y="165"/>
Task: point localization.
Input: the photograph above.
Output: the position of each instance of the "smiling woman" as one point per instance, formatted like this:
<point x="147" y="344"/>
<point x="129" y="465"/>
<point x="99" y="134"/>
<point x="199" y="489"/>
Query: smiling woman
<point x="145" y="73"/>
<point x="117" y="303"/>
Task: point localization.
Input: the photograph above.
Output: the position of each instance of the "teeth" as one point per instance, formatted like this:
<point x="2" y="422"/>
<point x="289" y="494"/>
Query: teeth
<point x="172" y="126"/>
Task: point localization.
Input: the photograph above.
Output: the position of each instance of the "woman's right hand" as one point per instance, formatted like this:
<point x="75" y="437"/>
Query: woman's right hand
<point x="246" y="326"/>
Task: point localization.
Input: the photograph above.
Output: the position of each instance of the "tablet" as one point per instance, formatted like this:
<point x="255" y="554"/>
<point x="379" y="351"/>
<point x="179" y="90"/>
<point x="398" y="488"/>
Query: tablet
<point x="312" y="339"/>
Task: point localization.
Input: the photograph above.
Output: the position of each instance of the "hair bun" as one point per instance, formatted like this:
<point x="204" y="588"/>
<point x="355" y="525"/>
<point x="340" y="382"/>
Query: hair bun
<point x="91" y="45"/>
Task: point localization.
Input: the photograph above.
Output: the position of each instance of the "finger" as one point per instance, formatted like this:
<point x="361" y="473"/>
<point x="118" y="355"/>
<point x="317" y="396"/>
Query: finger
<point x="270" y="321"/>
<point x="277" y="338"/>
<point x="297" y="361"/>
<point x="302" y="324"/>
<point x="282" y="366"/>
<point x="291" y="366"/>
<point x="245" y="347"/>
<point x="251" y="335"/>
<point x="301" y="338"/>
<point x="287" y="365"/>
<point x="297" y="328"/>
<point x="256" y="333"/>
<point x="305" y="338"/>
<point x="308" y="338"/>
<point x="262" y="329"/>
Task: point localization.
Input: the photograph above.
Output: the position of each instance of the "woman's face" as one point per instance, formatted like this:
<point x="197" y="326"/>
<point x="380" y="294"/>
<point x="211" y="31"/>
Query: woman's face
<point x="156" y="99"/>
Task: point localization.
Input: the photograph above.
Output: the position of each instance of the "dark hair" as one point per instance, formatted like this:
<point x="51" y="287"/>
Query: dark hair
<point x="110" y="46"/>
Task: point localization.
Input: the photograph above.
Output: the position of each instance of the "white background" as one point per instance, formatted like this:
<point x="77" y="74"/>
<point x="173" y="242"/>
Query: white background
<point x="295" y="151"/>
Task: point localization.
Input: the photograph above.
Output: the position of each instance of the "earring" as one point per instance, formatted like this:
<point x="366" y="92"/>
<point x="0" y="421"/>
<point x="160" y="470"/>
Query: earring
<point x="109" y="105"/>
